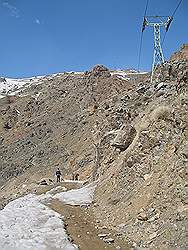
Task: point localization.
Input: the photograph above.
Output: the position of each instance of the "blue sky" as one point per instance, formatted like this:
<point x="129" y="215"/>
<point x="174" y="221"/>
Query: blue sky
<point x="46" y="36"/>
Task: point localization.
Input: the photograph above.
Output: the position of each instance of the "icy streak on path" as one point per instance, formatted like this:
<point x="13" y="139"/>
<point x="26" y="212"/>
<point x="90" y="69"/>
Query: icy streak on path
<point x="26" y="223"/>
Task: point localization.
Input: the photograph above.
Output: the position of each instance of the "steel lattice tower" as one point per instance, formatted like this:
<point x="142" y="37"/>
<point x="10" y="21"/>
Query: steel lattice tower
<point x="157" y="22"/>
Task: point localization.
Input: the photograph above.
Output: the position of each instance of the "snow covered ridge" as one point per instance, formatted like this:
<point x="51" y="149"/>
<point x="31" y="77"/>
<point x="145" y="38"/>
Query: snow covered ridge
<point x="14" y="86"/>
<point x="26" y="223"/>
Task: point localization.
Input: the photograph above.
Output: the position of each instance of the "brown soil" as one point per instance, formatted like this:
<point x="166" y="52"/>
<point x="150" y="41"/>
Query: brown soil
<point x="84" y="230"/>
<point x="81" y="225"/>
<point x="72" y="121"/>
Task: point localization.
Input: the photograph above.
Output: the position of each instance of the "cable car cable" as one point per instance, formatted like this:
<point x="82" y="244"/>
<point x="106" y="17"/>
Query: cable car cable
<point x="141" y="37"/>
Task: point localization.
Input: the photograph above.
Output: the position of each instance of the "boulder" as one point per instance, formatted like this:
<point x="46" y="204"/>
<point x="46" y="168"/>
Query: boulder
<point x="124" y="138"/>
<point x="142" y="216"/>
<point x="161" y="85"/>
<point x="43" y="183"/>
<point x="100" y="70"/>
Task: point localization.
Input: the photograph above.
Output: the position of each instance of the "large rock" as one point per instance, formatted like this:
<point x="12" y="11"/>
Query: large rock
<point x="2" y="79"/>
<point x="142" y="216"/>
<point x="100" y="70"/>
<point x="43" y="182"/>
<point x="124" y="138"/>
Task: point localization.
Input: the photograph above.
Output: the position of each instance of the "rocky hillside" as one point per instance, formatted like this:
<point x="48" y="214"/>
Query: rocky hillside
<point x="53" y="122"/>
<point x="180" y="55"/>
<point x="142" y="191"/>
<point x="111" y="126"/>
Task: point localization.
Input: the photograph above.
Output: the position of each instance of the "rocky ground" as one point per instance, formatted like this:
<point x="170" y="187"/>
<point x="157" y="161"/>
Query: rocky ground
<point x="113" y="126"/>
<point x="181" y="54"/>
<point x="85" y="231"/>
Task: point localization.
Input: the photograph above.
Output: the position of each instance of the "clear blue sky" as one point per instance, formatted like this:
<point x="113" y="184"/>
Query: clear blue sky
<point x="46" y="36"/>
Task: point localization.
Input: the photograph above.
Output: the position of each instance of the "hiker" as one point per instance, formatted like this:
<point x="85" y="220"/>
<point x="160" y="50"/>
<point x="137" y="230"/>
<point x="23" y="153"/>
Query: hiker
<point x="75" y="176"/>
<point x="58" y="174"/>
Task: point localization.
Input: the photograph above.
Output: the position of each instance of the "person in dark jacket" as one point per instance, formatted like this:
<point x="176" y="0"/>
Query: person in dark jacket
<point x="58" y="175"/>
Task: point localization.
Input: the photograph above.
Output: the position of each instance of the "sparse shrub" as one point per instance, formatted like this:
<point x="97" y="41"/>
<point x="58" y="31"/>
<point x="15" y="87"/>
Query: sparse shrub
<point x="162" y="112"/>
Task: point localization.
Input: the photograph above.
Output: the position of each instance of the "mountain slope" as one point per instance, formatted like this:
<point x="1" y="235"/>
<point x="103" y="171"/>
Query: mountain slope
<point x="112" y="126"/>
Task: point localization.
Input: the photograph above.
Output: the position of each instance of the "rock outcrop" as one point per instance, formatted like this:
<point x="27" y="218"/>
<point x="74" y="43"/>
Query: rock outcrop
<point x="180" y="55"/>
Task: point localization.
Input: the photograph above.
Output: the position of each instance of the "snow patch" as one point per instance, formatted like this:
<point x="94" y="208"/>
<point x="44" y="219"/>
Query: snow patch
<point x="81" y="196"/>
<point x="26" y="223"/>
<point x="125" y="75"/>
<point x="14" y="86"/>
<point x="74" y="181"/>
<point x="58" y="188"/>
<point x="120" y="74"/>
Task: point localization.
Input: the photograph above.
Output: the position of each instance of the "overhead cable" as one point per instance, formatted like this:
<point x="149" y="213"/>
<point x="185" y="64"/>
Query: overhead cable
<point x="141" y="37"/>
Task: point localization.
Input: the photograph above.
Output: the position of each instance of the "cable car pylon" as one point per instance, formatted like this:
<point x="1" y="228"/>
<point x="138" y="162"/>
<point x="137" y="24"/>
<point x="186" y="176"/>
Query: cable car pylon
<point x="157" y="22"/>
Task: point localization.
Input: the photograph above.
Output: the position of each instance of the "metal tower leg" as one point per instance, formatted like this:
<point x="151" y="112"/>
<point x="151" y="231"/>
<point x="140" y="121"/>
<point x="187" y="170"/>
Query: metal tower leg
<point x="158" y="54"/>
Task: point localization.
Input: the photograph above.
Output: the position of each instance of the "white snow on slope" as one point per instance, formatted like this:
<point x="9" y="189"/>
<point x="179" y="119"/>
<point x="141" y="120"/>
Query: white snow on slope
<point x="120" y="74"/>
<point x="125" y="75"/>
<point x="74" y="181"/>
<point x="81" y="196"/>
<point x="26" y="223"/>
<point x="14" y="86"/>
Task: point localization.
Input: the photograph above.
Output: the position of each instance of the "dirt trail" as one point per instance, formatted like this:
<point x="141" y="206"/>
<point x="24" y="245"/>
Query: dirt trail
<point x="81" y="226"/>
<point x="83" y="229"/>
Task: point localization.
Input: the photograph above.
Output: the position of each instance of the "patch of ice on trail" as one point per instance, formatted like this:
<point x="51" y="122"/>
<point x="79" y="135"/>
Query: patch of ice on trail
<point x="74" y="181"/>
<point x="26" y="223"/>
<point x="58" y="188"/>
<point x="81" y="196"/>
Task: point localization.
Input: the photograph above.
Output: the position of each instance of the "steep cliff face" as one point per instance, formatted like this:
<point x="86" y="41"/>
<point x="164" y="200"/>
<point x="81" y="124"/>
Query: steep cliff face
<point x="112" y="126"/>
